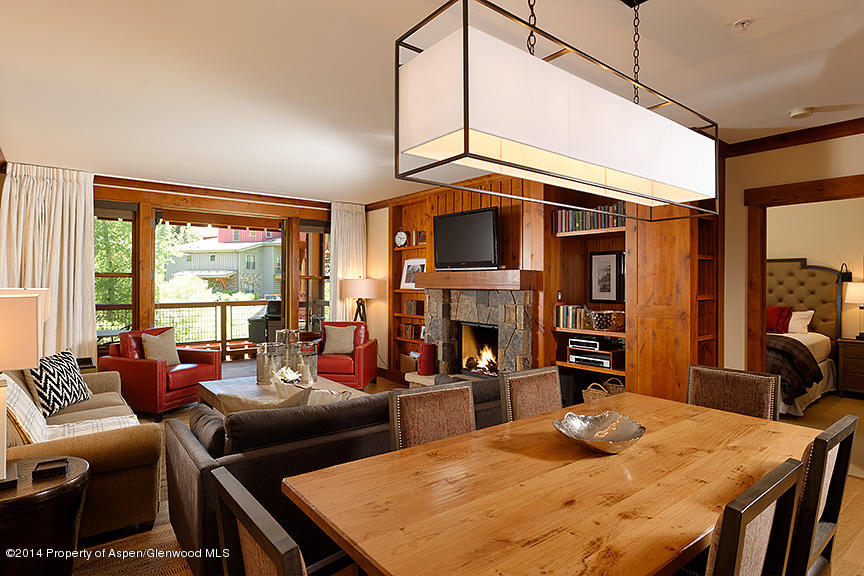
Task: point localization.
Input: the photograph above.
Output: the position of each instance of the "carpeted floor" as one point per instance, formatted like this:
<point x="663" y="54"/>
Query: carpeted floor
<point x="828" y="410"/>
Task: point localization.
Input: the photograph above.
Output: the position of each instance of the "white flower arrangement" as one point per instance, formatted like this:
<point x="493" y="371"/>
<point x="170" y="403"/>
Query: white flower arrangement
<point x="287" y="375"/>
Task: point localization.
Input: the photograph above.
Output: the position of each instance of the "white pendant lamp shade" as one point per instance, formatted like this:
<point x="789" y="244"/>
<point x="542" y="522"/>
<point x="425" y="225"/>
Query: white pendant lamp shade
<point x="528" y="118"/>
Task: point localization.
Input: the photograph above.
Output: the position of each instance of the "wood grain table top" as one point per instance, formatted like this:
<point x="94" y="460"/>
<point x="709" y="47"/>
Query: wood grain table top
<point x="521" y="498"/>
<point x="247" y="387"/>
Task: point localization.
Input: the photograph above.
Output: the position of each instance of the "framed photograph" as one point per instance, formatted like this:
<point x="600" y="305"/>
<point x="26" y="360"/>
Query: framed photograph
<point x="409" y="269"/>
<point x="423" y="333"/>
<point x="607" y="277"/>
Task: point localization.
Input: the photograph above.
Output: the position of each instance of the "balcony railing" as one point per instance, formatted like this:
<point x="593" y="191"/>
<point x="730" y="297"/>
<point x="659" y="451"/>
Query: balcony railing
<point x="222" y="325"/>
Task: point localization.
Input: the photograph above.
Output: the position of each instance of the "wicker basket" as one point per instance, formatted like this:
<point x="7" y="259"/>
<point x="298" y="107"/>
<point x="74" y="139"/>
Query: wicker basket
<point x="597" y="391"/>
<point x="606" y="321"/>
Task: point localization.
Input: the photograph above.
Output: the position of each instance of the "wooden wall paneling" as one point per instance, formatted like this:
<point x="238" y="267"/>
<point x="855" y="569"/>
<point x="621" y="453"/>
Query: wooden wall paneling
<point x="144" y="297"/>
<point x="757" y="257"/>
<point x="659" y="286"/>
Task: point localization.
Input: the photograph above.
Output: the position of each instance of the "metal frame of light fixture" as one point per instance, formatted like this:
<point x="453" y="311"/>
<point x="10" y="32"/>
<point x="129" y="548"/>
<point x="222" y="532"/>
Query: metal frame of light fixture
<point x="566" y="48"/>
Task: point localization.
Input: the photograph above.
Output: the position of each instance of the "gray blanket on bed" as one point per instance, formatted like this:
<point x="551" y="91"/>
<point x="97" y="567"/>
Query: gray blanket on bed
<point x="795" y="364"/>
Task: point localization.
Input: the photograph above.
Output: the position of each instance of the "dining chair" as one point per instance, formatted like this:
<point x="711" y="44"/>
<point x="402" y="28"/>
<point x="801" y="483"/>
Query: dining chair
<point x="748" y="393"/>
<point x="753" y="532"/>
<point x="264" y="547"/>
<point x="826" y="464"/>
<point x="529" y="393"/>
<point x="422" y="415"/>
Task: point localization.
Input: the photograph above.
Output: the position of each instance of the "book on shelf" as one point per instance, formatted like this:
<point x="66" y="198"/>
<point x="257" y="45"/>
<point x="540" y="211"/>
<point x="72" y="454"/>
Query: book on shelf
<point x="609" y="216"/>
<point x="413" y="307"/>
<point x="411" y="331"/>
<point x="570" y="316"/>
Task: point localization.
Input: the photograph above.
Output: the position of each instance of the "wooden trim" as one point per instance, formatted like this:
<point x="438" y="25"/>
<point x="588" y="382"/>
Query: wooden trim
<point x="291" y="273"/>
<point x="223" y="220"/>
<point x="2" y="162"/>
<point x="842" y="188"/>
<point x="481" y="280"/>
<point x="757" y="258"/>
<point x="191" y="199"/>
<point x="796" y="138"/>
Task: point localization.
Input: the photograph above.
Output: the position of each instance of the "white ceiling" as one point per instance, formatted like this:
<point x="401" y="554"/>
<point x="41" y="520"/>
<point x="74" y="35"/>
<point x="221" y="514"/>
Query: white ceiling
<point x="296" y="98"/>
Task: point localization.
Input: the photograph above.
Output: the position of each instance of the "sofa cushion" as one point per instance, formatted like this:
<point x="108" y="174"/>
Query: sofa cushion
<point x="335" y="364"/>
<point x="56" y="383"/>
<point x="209" y="428"/>
<point x="339" y="340"/>
<point x="184" y="375"/>
<point x="257" y="428"/>
<point x="161" y="347"/>
<point x="92" y="414"/>
<point x="96" y="401"/>
<point x="25" y="416"/>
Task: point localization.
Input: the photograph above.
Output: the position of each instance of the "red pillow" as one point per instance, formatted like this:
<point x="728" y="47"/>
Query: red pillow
<point x="778" y="319"/>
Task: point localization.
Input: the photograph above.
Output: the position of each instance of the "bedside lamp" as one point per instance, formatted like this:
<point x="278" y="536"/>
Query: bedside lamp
<point x="21" y="317"/>
<point x="855" y="295"/>
<point x="361" y="289"/>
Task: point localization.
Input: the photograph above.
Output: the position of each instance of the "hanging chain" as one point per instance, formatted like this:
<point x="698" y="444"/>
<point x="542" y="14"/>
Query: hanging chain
<point x="636" y="53"/>
<point x="532" y="20"/>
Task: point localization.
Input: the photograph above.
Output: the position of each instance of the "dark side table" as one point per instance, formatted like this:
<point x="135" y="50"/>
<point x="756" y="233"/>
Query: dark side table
<point x="40" y="516"/>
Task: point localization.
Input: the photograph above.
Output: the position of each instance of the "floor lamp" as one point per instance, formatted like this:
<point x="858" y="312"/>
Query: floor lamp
<point x="20" y="336"/>
<point x="361" y="289"/>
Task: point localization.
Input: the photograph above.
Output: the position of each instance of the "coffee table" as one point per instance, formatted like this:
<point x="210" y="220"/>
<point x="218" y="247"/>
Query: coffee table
<point x="247" y="387"/>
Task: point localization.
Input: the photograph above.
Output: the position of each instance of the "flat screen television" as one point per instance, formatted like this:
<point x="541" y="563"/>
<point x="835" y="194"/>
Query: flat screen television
<point x="466" y="240"/>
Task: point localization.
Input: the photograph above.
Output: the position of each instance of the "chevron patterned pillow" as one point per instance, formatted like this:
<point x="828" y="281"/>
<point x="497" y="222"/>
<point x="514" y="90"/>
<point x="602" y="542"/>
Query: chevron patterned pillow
<point x="57" y="383"/>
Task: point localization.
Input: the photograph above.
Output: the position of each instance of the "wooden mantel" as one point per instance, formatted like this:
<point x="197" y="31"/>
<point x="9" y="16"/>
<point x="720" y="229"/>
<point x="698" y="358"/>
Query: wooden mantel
<point x="481" y="280"/>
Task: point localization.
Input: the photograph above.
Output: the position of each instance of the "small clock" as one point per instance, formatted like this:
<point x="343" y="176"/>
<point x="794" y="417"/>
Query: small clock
<point x="401" y="238"/>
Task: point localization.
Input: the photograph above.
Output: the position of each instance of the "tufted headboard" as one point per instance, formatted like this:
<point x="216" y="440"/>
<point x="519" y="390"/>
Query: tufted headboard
<point x="791" y="282"/>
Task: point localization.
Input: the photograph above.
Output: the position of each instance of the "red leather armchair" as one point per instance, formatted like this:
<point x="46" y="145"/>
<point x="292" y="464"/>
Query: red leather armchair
<point x="153" y="387"/>
<point x="356" y="370"/>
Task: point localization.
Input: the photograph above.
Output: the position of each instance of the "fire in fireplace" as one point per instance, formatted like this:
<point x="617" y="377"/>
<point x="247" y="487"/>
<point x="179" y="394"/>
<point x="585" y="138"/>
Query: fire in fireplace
<point x="479" y="348"/>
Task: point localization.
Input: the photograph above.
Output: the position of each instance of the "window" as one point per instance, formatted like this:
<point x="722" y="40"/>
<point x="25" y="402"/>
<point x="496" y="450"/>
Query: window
<point x="250" y="262"/>
<point x="236" y="235"/>
<point x="248" y="287"/>
<point x="114" y="281"/>
<point x="212" y="257"/>
<point x="314" y="295"/>
<point x="188" y="258"/>
<point x="268" y="234"/>
<point x="253" y="233"/>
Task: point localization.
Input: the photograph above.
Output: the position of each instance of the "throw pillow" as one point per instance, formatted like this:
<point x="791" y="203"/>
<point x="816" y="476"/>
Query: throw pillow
<point x="778" y="319"/>
<point x="320" y="396"/>
<point x="161" y="347"/>
<point x="800" y="322"/>
<point x="57" y="383"/>
<point x="339" y="340"/>
<point x="23" y="413"/>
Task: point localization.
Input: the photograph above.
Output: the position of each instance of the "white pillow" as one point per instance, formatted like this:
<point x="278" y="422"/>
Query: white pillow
<point x="800" y="321"/>
<point x="24" y="414"/>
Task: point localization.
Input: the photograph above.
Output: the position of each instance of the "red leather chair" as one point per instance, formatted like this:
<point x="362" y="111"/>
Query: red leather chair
<point x="153" y="387"/>
<point x="356" y="370"/>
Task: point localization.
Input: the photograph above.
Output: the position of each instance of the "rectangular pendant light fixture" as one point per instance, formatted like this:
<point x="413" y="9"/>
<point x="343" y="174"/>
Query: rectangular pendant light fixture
<point x="469" y="103"/>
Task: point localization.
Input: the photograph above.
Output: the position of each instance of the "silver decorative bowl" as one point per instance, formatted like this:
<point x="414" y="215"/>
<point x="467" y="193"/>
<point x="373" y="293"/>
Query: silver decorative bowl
<point x="609" y="432"/>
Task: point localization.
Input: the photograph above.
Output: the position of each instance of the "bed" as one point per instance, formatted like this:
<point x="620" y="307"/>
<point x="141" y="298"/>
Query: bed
<point x="792" y="282"/>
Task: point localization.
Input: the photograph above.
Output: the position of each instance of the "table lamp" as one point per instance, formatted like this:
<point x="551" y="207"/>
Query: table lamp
<point x="855" y="295"/>
<point x="361" y="289"/>
<point x="20" y="335"/>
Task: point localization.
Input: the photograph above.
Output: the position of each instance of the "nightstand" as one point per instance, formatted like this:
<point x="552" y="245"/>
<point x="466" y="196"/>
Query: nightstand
<point x="851" y="366"/>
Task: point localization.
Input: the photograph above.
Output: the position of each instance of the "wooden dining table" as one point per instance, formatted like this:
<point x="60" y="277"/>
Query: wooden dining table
<point x="521" y="498"/>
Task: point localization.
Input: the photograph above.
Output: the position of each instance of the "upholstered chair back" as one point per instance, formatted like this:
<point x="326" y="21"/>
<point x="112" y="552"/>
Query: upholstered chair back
<point x="529" y="393"/>
<point x="826" y="464"/>
<point x="131" y="345"/>
<point x="423" y="415"/>
<point x="752" y="535"/>
<point x="748" y="393"/>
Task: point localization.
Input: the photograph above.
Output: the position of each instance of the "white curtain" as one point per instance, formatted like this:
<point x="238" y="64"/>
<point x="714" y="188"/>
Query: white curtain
<point x="46" y="241"/>
<point x="347" y="254"/>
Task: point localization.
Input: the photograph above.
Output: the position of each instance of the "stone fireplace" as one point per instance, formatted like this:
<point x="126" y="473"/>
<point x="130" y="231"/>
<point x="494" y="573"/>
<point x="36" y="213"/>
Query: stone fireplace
<point x="510" y="311"/>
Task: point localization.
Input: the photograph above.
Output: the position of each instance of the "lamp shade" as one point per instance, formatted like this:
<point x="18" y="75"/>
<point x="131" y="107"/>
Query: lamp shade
<point x="44" y="298"/>
<point x="20" y="330"/>
<point x="855" y="293"/>
<point x="359" y="288"/>
<point x="557" y="128"/>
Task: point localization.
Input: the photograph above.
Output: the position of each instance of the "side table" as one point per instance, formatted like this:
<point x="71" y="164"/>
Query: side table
<point x="42" y="514"/>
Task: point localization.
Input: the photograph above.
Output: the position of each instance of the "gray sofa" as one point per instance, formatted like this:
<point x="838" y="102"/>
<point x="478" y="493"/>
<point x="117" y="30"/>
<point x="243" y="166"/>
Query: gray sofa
<point x="261" y="447"/>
